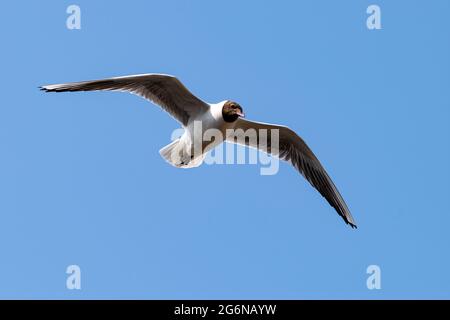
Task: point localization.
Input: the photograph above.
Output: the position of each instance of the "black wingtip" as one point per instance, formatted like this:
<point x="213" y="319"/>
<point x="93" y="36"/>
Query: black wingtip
<point x="354" y="226"/>
<point x="46" y="89"/>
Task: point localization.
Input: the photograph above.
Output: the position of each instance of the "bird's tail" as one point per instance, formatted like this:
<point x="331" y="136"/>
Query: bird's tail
<point x="177" y="155"/>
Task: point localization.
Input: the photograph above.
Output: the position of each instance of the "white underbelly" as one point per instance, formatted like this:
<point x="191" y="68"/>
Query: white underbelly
<point x="206" y="132"/>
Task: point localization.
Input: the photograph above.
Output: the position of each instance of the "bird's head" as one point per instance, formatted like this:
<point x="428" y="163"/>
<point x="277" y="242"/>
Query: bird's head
<point x="231" y="111"/>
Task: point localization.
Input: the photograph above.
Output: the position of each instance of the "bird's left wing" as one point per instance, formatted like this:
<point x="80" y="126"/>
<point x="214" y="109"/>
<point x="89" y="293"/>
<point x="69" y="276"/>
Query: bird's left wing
<point x="163" y="90"/>
<point x="292" y="148"/>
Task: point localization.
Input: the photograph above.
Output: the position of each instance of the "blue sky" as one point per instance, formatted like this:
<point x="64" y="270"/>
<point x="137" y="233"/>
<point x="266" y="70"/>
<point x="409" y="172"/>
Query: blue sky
<point x="82" y="182"/>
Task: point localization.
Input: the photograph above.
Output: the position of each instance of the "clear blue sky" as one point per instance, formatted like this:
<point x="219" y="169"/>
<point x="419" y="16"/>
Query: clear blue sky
<point x="81" y="180"/>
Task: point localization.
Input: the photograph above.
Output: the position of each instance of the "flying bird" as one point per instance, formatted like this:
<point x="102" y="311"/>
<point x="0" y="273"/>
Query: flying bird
<point x="172" y="96"/>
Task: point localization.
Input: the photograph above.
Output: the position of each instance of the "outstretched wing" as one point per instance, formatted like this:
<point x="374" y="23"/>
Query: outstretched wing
<point x="163" y="90"/>
<point x="293" y="149"/>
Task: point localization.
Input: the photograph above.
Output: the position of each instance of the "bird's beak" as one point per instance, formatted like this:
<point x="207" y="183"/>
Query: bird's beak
<point x="240" y="114"/>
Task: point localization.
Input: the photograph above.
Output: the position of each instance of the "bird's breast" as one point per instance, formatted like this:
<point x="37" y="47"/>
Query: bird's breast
<point x="209" y="128"/>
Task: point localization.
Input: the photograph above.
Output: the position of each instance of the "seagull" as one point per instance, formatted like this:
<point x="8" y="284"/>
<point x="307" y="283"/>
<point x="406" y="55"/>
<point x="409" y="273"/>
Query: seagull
<point x="172" y="96"/>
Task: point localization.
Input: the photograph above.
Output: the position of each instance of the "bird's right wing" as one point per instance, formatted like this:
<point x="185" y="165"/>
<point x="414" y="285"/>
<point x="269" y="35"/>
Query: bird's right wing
<point x="292" y="148"/>
<point x="163" y="90"/>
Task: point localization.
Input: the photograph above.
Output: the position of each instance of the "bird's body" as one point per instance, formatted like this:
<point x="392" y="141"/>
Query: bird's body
<point x="184" y="152"/>
<point x="199" y="118"/>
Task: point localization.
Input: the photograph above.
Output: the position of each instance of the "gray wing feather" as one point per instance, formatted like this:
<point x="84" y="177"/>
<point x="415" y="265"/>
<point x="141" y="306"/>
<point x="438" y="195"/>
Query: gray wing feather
<point x="293" y="149"/>
<point x="163" y="90"/>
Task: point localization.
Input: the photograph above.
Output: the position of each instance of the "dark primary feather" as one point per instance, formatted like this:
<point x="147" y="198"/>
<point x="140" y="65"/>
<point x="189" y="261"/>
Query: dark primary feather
<point x="163" y="90"/>
<point x="293" y="149"/>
